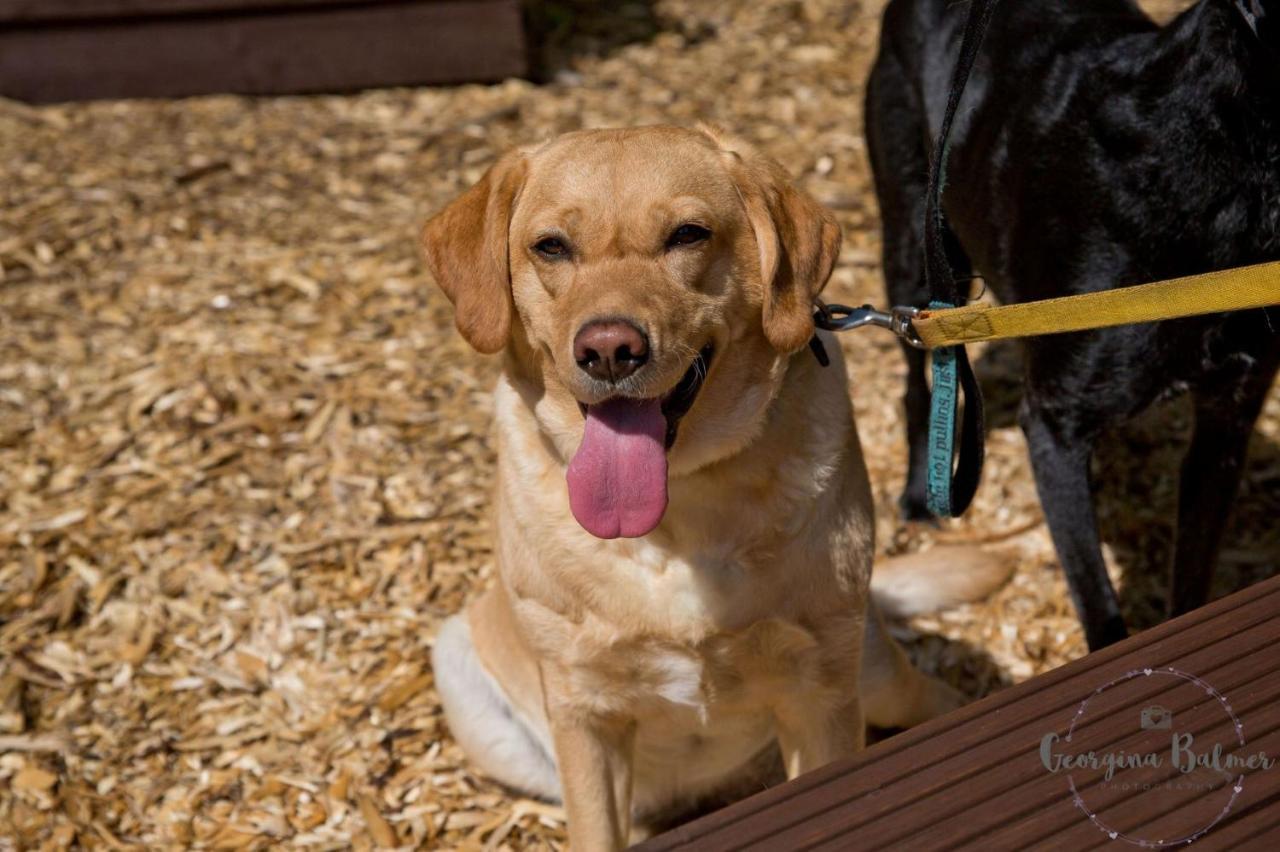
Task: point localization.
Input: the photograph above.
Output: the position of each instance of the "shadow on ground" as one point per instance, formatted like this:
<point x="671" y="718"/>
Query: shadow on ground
<point x="1136" y="472"/>
<point x="561" y="31"/>
<point x="967" y="667"/>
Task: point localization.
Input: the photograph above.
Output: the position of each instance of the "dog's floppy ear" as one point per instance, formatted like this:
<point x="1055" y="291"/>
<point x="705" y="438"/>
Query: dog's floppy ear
<point x="798" y="240"/>
<point x="466" y="251"/>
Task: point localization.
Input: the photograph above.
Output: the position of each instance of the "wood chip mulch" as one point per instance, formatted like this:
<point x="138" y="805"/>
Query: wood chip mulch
<point x="244" y="457"/>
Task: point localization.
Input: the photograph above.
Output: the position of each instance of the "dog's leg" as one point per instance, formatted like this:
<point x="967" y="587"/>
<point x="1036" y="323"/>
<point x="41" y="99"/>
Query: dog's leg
<point x="1225" y="415"/>
<point x="894" y="692"/>
<point x="812" y="733"/>
<point x="1060" y="461"/>
<point x="900" y="164"/>
<point x="595" y="759"/>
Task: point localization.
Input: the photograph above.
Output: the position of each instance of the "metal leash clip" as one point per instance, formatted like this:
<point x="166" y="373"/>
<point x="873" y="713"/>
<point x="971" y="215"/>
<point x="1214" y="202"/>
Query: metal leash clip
<point x="843" y="318"/>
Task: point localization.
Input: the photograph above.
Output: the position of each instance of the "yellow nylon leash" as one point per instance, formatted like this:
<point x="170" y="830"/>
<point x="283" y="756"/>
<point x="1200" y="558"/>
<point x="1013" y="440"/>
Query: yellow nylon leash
<point x="1210" y="293"/>
<point x="943" y="329"/>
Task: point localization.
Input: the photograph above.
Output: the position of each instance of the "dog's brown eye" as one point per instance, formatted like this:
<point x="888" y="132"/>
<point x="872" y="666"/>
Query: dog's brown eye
<point x="687" y="235"/>
<point x="551" y="247"/>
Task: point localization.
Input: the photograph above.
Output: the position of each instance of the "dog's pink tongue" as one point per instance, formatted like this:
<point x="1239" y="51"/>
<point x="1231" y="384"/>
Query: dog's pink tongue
<point x="618" y="478"/>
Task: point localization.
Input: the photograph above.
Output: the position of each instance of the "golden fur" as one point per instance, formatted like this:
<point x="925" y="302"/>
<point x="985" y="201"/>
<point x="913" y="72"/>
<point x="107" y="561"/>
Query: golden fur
<point x="633" y="676"/>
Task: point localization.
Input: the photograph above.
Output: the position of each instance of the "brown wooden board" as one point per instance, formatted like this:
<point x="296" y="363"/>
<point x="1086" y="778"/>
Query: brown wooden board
<point x="32" y="11"/>
<point x="975" y="778"/>
<point x="279" y="48"/>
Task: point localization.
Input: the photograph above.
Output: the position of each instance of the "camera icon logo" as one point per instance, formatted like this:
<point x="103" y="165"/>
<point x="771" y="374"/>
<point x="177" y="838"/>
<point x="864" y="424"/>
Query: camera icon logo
<point x="1156" y="717"/>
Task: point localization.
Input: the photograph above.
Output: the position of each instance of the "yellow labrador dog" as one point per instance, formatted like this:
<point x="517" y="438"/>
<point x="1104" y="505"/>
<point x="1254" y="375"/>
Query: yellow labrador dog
<point x="683" y="518"/>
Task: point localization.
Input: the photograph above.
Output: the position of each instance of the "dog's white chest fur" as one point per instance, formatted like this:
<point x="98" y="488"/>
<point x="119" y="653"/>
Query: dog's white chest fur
<point x="705" y="706"/>
<point x="700" y="630"/>
<point x="674" y="630"/>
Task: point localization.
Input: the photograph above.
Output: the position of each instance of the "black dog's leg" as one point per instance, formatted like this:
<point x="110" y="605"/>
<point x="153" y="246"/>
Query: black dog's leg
<point x="1060" y="461"/>
<point x="900" y="165"/>
<point x="1210" y="476"/>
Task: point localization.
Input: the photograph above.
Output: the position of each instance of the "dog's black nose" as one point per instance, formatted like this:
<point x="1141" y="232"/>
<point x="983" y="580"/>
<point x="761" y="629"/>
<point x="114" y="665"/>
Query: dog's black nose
<point x="610" y="350"/>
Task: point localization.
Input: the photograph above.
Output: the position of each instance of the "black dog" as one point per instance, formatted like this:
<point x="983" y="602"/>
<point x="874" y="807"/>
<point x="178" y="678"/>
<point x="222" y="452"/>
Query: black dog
<point x="1094" y="150"/>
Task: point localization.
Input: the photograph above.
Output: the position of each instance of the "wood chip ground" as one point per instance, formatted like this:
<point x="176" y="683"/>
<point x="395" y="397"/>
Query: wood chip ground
<point x="244" y="457"/>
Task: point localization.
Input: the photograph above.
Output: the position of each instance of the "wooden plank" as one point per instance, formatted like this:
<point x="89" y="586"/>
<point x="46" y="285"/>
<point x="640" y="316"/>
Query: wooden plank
<point x="1028" y="819"/>
<point x="1023" y="785"/>
<point x="277" y="52"/>
<point x="37" y="11"/>
<point x="973" y="779"/>
<point x="1032" y="705"/>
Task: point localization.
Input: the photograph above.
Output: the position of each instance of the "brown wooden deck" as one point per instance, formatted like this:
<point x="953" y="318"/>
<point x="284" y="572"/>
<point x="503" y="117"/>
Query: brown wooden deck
<point x="975" y="778"/>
